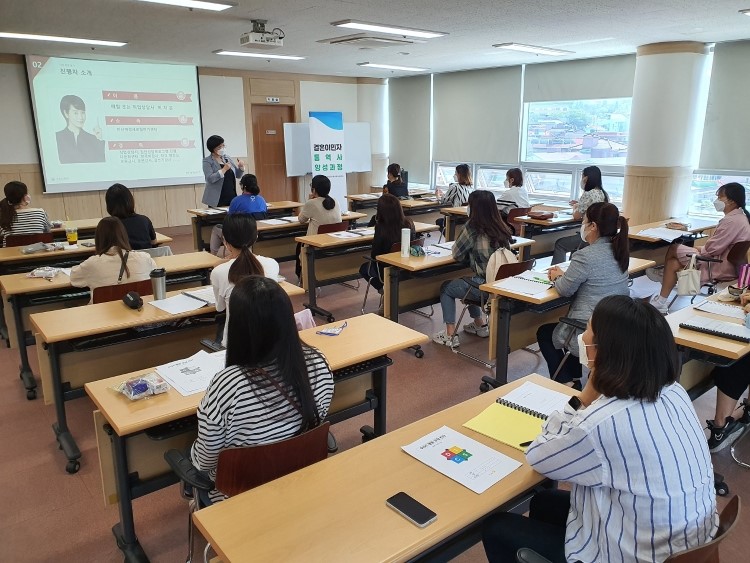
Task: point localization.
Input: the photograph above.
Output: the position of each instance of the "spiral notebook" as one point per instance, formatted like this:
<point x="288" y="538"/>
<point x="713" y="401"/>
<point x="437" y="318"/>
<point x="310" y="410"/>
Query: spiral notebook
<point x="718" y="328"/>
<point x="516" y="418"/>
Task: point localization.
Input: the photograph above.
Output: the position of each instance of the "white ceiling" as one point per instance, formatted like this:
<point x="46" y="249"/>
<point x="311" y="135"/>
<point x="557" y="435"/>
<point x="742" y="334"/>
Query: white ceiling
<point x="591" y="28"/>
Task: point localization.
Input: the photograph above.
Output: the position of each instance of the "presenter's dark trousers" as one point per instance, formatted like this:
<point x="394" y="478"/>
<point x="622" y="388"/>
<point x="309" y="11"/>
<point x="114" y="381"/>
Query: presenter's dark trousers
<point x="543" y="531"/>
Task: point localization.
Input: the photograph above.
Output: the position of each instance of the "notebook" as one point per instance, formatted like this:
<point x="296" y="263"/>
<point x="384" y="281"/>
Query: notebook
<point x="731" y="311"/>
<point x="526" y="285"/>
<point x="724" y="329"/>
<point x="663" y="233"/>
<point x="516" y="418"/>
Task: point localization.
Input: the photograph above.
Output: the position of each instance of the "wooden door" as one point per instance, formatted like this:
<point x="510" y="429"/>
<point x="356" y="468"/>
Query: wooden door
<point x="268" y="148"/>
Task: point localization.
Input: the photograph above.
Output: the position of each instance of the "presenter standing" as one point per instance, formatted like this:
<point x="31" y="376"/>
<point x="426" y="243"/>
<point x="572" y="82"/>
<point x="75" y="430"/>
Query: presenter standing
<point x="221" y="174"/>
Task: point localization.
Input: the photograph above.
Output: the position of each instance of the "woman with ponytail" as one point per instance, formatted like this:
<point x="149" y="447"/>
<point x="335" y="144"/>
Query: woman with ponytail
<point x="16" y="217"/>
<point x="733" y="227"/>
<point x="395" y="185"/>
<point x="240" y="233"/>
<point x="320" y="209"/>
<point x="598" y="270"/>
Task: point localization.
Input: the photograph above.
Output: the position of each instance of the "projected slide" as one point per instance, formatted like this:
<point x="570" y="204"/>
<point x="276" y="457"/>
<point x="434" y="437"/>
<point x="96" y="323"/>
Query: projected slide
<point x="101" y="122"/>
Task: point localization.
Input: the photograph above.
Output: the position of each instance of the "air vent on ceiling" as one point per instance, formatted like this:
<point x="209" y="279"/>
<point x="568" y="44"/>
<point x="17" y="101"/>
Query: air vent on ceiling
<point x="363" y="40"/>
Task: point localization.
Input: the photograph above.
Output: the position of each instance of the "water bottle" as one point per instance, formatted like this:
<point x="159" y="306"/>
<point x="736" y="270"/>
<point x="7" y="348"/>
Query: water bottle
<point x="159" y="283"/>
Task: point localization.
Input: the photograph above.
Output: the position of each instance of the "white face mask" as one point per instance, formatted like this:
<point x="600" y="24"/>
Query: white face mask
<point x="719" y="205"/>
<point x="506" y="184"/>
<point x="583" y="355"/>
<point x="583" y="232"/>
<point x="455" y="177"/>
<point x="26" y="200"/>
<point x="223" y="151"/>
<point x="467" y="210"/>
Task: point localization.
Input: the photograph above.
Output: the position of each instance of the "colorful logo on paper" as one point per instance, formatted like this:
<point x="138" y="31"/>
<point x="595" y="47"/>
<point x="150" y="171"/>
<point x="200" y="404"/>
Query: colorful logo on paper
<point x="456" y="454"/>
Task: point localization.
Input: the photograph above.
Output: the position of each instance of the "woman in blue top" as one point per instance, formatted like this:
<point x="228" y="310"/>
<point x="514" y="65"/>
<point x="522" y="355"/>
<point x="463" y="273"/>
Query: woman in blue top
<point x="249" y="201"/>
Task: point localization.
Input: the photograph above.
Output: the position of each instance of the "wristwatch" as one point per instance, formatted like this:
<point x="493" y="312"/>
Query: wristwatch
<point x="575" y="403"/>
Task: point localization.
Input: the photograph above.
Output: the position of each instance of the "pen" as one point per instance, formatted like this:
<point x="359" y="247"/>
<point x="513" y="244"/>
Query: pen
<point x="194" y="297"/>
<point x="525" y="444"/>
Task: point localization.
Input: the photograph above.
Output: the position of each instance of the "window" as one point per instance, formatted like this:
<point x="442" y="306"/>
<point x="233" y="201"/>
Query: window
<point x="489" y="176"/>
<point x="554" y="184"/>
<point x="444" y="171"/>
<point x="614" y="186"/>
<point x="704" y="186"/>
<point x="578" y="131"/>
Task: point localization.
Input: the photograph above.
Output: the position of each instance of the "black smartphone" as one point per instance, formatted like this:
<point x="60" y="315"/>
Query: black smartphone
<point x="411" y="509"/>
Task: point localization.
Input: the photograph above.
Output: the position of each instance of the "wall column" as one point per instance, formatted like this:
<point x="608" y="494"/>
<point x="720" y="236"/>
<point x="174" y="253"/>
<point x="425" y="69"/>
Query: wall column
<point x="670" y="93"/>
<point x="371" y="108"/>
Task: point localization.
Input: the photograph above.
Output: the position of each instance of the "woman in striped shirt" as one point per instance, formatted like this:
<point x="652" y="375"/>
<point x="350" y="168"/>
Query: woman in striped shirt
<point x="273" y="387"/>
<point x="16" y="217"/>
<point x="631" y="447"/>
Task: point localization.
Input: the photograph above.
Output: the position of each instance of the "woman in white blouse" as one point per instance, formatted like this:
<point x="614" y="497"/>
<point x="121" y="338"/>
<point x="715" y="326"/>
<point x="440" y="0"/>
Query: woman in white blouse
<point x="319" y="209"/>
<point x="631" y="447"/>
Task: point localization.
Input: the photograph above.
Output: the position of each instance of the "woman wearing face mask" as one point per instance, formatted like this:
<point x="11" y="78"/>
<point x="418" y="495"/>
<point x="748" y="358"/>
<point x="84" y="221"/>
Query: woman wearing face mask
<point x="596" y="271"/>
<point x="631" y="447"/>
<point x="733" y="227"/>
<point x="458" y="191"/>
<point x="593" y="192"/>
<point x="515" y="195"/>
<point x="16" y="217"/>
<point x="221" y="172"/>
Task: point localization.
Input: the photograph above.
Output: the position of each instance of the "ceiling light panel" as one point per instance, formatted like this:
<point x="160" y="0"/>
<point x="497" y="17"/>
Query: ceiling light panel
<point x="260" y="55"/>
<point x="388" y="29"/>
<point x="32" y="37"/>
<point x="533" y="49"/>
<point x="393" y="67"/>
<point x="195" y="4"/>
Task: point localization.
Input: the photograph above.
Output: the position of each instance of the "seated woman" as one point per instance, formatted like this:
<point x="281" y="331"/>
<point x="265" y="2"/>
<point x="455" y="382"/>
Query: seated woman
<point x="249" y="201"/>
<point x="598" y="270"/>
<point x="631" y="447"/>
<point x="515" y="195"/>
<point x="395" y="185"/>
<point x="120" y="204"/>
<point x="733" y="227"/>
<point x="484" y="233"/>
<point x="114" y="262"/>
<point x="273" y="387"/>
<point x="16" y="217"/>
<point x="593" y="192"/>
<point x="319" y="209"/>
<point x="457" y="194"/>
<point x="240" y="233"/>
<point x="388" y="227"/>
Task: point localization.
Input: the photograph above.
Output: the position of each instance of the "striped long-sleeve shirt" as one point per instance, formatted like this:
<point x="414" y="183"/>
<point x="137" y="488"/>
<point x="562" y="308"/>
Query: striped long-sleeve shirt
<point x="235" y="412"/>
<point x="641" y="474"/>
<point x="29" y="221"/>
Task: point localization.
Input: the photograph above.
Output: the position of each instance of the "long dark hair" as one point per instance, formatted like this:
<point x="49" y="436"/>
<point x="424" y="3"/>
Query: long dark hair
<point x="241" y="232"/>
<point x="391" y="218"/>
<point x="622" y="326"/>
<point x="594" y="180"/>
<point x="15" y="191"/>
<point x="735" y="192"/>
<point x="613" y="225"/>
<point x="394" y="170"/>
<point x="120" y="202"/>
<point x="261" y="331"/>
<point x="249" y="184"/>
<point x="321" y="185"/>
<point x="110" y="232"/>
<point x="463" y="175"/>
<point x="485" y="219"/>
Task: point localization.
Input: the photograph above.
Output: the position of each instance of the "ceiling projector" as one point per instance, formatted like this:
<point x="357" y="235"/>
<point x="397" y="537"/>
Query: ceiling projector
<point x="260" y="38"/>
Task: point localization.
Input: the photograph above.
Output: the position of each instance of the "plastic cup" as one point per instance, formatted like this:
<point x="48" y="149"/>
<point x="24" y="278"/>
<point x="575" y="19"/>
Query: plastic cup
<point x="71" y="234"/>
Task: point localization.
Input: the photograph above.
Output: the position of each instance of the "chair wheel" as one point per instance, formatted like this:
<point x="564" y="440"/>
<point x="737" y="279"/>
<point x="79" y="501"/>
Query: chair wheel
<point x="484" y="387"/>
<point x="368" y="433"/>
<point x="419" y="353"/>
<point x="331" y="319"/>
<point x="31" y="394"/>
<point x="73" y="466"/>
<point x="722" y="489"/>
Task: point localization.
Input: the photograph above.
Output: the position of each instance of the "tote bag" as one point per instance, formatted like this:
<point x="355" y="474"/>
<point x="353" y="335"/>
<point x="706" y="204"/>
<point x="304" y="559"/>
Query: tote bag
<point x="689" y="279"/>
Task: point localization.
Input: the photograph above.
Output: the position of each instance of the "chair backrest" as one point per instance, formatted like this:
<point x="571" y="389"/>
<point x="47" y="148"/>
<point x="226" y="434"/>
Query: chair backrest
<point x="513" y="269"/>
<point x="241" y="469"/>
<point x="517" y="212"/>
<point x="709" y="552"/>
<point x="157" y="251"/>
<point x="738" y="254"/>
<point x="333" y="228"/>
<point x="114" y="292"/>
<point x="396" y="246"/>
<point x="25" y="240"/>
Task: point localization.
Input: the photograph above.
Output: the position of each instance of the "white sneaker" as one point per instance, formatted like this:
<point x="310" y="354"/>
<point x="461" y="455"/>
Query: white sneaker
<point x="655" y="274"/>
<point x="481" y="331"/>
<point x="661" y="305"/>
<point x="445" y="340"/>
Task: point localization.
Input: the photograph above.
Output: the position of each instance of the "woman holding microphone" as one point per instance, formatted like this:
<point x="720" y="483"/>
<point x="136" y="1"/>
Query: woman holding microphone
<point x="221" y="174"/>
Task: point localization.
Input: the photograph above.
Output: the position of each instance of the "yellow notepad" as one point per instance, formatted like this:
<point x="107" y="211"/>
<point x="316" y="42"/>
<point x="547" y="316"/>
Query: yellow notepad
<point x="507" y="425"/>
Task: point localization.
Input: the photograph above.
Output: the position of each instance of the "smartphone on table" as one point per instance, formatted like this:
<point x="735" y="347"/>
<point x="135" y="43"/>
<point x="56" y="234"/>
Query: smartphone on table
<point x="411" y="509"/>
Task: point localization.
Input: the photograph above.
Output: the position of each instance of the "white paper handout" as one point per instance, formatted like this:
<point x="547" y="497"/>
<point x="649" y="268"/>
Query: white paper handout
<point x="192" y="375"/>
<point x="66" y="271"/>
<point x="365" y="231"/>
<point x="521" y="285"/>
<point x="448" y="245"/>
<point x="290" y="219"/>
<point x="731" y="311"/>
<point x="368" y="196"/>
<point x="205" y="294"/>
<point x="537" y="398"/>
<point x="346" y="234"/>
<point x="466" y="461"/>
<point x="663" y="233"/>
<point x="437" y="251"/>
<point x="178" y="304"/>
<point x="273" y="222"/>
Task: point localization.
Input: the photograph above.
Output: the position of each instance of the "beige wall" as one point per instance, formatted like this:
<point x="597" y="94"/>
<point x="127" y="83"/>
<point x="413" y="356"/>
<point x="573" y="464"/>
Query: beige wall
<point x="166" y="205"/>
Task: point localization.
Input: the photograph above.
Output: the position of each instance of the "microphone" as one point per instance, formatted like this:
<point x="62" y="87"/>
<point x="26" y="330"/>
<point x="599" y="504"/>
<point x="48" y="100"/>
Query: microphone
<point x="225" y="158"/>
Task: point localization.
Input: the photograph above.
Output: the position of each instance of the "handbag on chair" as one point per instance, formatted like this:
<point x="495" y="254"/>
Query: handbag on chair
<point x="689" y="279"/>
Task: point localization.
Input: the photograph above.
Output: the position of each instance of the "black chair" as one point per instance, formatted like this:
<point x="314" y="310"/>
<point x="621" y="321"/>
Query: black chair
<point x="395" y="247"/>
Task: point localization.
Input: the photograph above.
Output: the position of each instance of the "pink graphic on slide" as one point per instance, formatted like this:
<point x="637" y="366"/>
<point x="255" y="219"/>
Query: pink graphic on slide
<point x="146" y="96"/>
<point x="131" y="145"/>
<point x="132" y="120"/>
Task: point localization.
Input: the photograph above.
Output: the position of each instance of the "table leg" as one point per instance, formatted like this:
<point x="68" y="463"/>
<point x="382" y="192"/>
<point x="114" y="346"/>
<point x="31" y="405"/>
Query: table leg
<point x="64" y="437"/>
<point x="311" y="286"/>
<point x="450" y="228"/>
<point x="393" y="279"/>
<point x="502" y="339"/>
<point x="124" y="530"/>
<point x="26" y="374"/>
<point x="197" y="233"/>
<point x="379" y="414"/>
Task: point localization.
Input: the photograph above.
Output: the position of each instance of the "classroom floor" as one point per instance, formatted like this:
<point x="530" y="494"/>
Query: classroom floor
<point x="48" y="515"/>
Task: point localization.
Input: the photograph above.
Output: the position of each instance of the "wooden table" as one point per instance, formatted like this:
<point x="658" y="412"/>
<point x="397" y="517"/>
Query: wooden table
<point x="370" y="200"/>
<point x="328" y="260"/>
<point x="86" y="228"/>
<point x="207" y="217"/>
<point x="335" y="509"/>
<point x="503" y="308"/>
<point x="26" y="295"/>
<point x="697" y="226"/>
<point x="133" y="465"/>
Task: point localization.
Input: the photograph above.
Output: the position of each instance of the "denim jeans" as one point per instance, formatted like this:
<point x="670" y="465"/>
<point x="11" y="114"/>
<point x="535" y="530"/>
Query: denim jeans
<point x="456" y="289"/>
